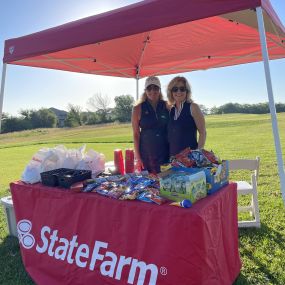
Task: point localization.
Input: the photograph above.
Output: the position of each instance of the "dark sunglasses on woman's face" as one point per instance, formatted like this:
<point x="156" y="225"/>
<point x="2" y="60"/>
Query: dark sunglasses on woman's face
<point x="152" y="87"/>
<point x="181" y="89"/>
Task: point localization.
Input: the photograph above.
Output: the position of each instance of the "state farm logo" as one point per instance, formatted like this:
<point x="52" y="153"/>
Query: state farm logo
<point x="25" y="238"/>
<point x="11" y="49"/>
<point x="98" y="256"/>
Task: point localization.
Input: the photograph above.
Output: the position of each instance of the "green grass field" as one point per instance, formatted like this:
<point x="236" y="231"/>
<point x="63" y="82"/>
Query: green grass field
<point x="230" y="136"/>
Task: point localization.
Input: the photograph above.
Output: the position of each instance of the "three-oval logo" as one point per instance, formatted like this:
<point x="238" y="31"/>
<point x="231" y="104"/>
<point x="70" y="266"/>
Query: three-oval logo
<point x="11" y="49"/>
<point x="25" y="238"/>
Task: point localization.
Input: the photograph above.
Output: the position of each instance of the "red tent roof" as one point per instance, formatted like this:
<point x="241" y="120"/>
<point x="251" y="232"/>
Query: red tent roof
<point x="154" y="37"/>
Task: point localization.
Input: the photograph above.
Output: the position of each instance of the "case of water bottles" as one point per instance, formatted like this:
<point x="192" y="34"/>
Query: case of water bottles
<point x="180" y="185"/>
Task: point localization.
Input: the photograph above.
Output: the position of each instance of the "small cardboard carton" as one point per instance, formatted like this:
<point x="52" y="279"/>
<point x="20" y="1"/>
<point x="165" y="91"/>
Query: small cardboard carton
<point x="216" y="178"/>
<point x="219" y="179"/>
<point x="180" y="185"/>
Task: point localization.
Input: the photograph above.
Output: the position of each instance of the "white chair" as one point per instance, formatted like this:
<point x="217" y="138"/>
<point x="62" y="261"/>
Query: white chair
<point x="246" y="188"/>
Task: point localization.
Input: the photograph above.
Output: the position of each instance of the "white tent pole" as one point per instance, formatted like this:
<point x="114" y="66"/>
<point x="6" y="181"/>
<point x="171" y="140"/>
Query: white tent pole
<point x="137" y="88"/>
<point x="271" y="101"/>
<point x="2" y="90"/>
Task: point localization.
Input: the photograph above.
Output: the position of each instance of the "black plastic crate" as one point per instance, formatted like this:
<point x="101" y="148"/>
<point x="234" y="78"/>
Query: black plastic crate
<point x="68" y="178"/>
<point x="64" y="177"/>
<point x="50" y="178"/>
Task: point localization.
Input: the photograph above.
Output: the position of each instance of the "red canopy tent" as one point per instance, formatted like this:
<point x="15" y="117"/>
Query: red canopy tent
<point x="134" y="41"/>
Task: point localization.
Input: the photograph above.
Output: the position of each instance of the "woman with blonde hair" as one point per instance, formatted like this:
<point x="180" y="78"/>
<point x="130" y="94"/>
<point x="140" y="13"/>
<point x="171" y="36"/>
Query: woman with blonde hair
<point x="185" y="118"/>
<point x="149" y="121"/>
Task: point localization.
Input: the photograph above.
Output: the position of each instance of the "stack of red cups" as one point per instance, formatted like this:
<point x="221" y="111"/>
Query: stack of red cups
<point x="119" y="161"/>
<point x="129" y="161"/>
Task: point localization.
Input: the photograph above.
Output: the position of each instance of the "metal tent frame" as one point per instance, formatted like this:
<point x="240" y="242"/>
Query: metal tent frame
<point x="265" y="57"/>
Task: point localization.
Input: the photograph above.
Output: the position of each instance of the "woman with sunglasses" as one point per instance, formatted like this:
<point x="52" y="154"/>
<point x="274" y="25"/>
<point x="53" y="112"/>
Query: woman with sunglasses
<point x="149" y="121"/>
<point x="185" y="119"/>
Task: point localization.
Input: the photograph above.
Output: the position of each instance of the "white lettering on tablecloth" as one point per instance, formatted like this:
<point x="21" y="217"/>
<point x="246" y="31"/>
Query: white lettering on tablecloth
<point x="109" y="264"/>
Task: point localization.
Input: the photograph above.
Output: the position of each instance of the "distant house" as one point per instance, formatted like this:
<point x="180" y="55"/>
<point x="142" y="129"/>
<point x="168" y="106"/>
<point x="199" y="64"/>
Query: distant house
<point x="61" y="116"/>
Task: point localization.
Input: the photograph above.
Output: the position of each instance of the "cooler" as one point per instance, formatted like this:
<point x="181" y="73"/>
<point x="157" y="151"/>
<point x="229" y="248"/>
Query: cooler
<point x="7" y="203"/>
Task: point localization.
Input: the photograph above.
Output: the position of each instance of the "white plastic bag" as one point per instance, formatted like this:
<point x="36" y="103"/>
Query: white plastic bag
<point x="32" y="171"/>
<point x="60" y="157"/>
<point x="73" y="157"/>
<point x="93" y="161"/>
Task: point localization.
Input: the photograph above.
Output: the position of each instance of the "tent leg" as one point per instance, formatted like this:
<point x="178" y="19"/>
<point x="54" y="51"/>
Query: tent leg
<point x="2" y="90"/>
<point x="271" y="100"/>
<point x="137" y="88"/>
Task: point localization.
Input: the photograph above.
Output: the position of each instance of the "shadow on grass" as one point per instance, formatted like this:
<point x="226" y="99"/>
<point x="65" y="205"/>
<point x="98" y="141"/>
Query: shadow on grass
<point x="241" y="280"/>
<point x="12" y="269"/>
<point x="248" y="247"/>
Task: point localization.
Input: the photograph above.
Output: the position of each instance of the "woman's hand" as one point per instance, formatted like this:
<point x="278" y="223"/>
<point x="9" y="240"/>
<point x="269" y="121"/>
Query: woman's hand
<point x="139" y="164"/>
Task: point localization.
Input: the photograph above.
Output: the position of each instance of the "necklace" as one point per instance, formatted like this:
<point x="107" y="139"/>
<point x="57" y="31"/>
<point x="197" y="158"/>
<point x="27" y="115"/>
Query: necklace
<point x="178" y="110"/>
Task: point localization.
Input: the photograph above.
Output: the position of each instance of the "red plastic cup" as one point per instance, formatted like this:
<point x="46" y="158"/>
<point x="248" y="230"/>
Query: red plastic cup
<point x="119" y="161"/>
<point x="129" y="161"/>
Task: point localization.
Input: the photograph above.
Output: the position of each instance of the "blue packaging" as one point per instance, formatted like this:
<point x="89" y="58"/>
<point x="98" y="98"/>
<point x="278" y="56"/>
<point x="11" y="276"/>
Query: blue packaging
<point x="216" y="177"/>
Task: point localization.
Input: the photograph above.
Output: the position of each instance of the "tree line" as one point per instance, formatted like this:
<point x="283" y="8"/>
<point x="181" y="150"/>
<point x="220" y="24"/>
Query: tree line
<point x="99" y="112"/>
<point x="229" y="108"/>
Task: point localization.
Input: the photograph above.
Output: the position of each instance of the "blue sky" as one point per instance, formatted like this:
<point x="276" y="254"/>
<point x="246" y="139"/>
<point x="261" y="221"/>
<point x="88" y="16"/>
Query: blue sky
<point x="28" y="88"/>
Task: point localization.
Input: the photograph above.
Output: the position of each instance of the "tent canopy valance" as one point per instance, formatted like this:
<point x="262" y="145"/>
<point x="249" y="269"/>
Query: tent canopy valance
<point x="154" y="37"/>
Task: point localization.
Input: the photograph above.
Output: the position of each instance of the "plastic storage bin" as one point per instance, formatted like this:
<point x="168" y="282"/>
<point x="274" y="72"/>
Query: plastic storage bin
<point x="64" y="177"/>
<point x="7" y="203"/>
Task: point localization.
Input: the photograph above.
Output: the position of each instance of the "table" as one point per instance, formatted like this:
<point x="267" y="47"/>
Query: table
<point x="85" y="238"/>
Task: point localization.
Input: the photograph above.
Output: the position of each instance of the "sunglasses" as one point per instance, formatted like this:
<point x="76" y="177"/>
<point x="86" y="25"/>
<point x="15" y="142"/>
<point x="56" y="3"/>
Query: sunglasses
<point x="152" y="87"/>
<point x="181" y="89"/>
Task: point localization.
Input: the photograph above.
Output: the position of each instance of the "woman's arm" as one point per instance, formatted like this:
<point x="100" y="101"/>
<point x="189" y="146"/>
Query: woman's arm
<point x="136" y="114"/>
<point x="200" y="123"/>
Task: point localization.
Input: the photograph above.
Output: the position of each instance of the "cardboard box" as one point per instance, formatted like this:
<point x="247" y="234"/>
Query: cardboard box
<point x="219" y="179"/>
<point x="180" y="185"/>
<point x="216" y="178"/>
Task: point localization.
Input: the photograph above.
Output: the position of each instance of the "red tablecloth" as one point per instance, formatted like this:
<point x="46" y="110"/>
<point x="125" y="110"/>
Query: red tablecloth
<point x="80" y="238"/>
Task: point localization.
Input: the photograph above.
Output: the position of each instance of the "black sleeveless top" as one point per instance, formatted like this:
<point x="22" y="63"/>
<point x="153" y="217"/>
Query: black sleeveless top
<point x="182" y="132"/>
<point x="154" y="149"/>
